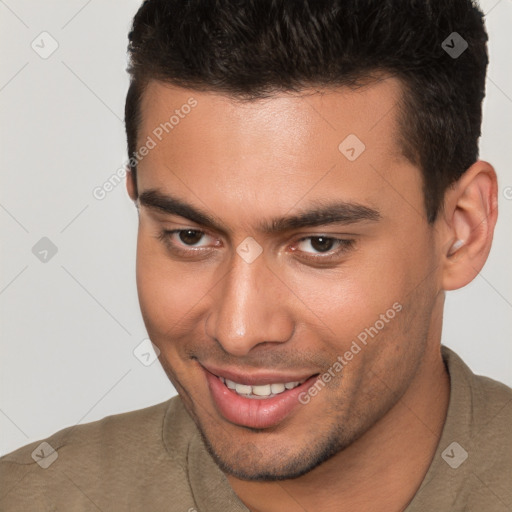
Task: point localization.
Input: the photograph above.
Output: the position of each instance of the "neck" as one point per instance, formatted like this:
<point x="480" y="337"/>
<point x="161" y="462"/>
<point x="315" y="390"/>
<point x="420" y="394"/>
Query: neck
<point x="382" y="470"/>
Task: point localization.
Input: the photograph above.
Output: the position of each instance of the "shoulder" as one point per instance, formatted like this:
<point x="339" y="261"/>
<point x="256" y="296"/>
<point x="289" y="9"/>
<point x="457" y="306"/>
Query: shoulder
<point x="485" y="403"/>
<point x="482" y="427"/>
<point x="108" y="434"/>
<point x="472" y="467"/>
<point x="72" y="466"/>
<point x="491" y="442"/>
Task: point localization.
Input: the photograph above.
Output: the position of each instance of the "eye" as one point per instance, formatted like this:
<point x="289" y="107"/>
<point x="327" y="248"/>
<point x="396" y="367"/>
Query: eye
<point x="178" y="240"/>
<point x="190" y="237"/>
<point x="324" y="246"/>
<point x="194" y="242"/>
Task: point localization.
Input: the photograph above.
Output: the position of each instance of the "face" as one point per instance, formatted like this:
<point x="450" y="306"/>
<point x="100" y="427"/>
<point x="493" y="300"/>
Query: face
<point x="280" y="258"/>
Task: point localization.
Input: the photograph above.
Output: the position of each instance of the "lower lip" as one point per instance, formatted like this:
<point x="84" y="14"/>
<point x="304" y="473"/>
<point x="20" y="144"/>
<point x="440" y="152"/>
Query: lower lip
<point x="254" y="412"/>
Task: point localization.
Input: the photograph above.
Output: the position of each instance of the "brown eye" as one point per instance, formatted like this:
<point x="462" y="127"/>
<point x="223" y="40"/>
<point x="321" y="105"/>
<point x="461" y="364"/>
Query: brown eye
<point x="323" y="249"/>
<point x="186" y="242"/>
<point x="190" y="236"/>
<point x="322" y="243"/>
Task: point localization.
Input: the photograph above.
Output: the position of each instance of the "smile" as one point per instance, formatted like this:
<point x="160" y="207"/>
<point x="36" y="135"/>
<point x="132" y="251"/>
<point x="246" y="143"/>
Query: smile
<point x="259" y="401"/>
<point x="262" y="391"/>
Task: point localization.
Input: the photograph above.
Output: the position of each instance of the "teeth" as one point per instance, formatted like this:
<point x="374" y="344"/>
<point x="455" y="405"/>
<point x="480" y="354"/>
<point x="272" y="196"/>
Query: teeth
<point x="261" y="390"/>
<point x="242" y="389"/>
<point x="277" y="388"/>
<point x="230" y="384"/>
<point x="264" y="390"/>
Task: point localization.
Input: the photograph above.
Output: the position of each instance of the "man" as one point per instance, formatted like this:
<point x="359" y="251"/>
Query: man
<point x="308" y="187"/>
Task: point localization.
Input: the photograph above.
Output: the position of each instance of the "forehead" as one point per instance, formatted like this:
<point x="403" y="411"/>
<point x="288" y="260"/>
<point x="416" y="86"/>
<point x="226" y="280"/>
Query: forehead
<point x="271" y="152"/>
<point x="335" y="110"/>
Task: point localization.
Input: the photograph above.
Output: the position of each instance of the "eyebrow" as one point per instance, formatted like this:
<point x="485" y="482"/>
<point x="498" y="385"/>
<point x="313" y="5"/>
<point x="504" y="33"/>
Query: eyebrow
<point x="320" y="213"/>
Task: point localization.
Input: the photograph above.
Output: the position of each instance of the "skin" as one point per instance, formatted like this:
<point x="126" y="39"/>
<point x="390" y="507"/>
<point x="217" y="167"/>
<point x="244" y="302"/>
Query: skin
<point x="367" y="438"/>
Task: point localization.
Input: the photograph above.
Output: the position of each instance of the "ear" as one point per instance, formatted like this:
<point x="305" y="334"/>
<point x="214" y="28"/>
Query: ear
<point x="131" y="185"/>
<point x="469" y="215"/>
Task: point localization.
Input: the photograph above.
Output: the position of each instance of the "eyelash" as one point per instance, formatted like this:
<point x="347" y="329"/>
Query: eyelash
<point x="344" y="245"/>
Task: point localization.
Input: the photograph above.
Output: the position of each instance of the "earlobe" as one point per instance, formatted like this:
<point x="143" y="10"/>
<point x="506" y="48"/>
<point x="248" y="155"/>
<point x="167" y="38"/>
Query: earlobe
<point x="470" y="214"/>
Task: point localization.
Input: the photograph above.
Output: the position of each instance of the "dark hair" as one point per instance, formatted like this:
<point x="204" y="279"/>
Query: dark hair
<point x="249" y="49"/>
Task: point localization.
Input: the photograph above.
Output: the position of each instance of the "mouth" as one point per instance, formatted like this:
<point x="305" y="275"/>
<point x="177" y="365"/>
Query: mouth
<point x="256" y="402"/>
<point x="262" y="391"/>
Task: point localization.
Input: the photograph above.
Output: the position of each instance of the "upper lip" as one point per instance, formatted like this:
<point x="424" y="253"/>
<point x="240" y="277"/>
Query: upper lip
<point x="257" y="378"/>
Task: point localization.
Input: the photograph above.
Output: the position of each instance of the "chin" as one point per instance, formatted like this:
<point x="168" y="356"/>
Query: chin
<point x="248" y="462"/>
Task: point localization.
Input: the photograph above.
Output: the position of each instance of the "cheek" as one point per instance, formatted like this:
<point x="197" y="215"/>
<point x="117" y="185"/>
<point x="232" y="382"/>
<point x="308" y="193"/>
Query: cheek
<point x="375" y="302"/>
<point x="351" y="298"/>
<point x="162" y="298"/>
<point x="171" y="295"/>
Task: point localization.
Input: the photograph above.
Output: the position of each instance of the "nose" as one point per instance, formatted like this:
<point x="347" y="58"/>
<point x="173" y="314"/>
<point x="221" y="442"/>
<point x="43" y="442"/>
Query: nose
<point x="249" y="308"/>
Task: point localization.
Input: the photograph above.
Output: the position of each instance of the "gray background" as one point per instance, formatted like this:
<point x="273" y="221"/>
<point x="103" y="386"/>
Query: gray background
<point x="70" y="324"/>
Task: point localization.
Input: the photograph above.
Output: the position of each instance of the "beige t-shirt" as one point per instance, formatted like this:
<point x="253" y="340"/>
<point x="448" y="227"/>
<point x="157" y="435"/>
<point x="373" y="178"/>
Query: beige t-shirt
<point x="153" y="459"/>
